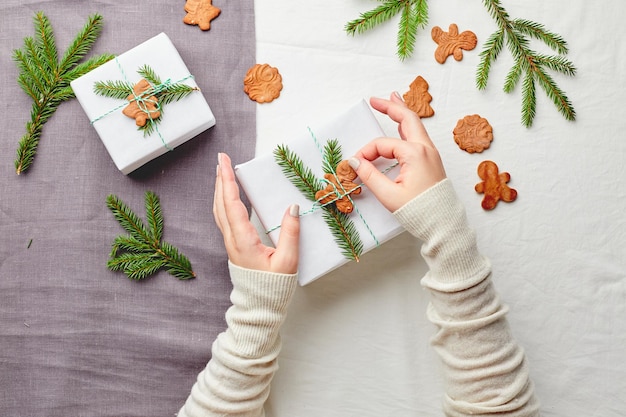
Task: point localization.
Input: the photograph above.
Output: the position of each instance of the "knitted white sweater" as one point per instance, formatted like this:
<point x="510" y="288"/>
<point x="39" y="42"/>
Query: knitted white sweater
<point x="485" y="369"/>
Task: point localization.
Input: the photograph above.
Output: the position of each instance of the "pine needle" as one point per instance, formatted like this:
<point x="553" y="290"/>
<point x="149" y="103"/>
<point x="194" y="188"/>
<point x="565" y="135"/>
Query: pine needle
<point x="46" y="80"/>
<point x="142" y="252"/>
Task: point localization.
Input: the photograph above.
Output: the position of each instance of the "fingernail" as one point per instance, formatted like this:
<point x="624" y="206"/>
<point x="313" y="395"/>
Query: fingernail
<point x="217" y="170"/>
<point x="219" y="158"/>
<point x="294" y="210"/>
<point x="354" y="162"/>
<point x="398" y="96"/>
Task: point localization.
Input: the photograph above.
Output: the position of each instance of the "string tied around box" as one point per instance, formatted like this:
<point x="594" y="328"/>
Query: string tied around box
<point x="329" y="193"/>
<point x="144" y="100"/>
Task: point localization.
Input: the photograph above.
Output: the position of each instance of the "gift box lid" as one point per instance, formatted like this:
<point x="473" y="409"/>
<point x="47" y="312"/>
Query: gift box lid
<point x="271" y="193"/>
<point x="181" y="120"/>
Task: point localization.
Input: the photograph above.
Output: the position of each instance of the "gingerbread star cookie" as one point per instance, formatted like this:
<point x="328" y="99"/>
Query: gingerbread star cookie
<point x="200" y="12"/>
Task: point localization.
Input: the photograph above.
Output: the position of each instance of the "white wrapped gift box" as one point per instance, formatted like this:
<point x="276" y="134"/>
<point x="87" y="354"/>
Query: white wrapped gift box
<point x="271" y="193"/>
<point x="180" y="121"/>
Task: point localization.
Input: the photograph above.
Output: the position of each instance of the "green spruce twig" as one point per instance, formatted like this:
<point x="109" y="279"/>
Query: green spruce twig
<point x="142" y="252"/>
<point x="164" y="92"/>
<point x="341" y="226"/>
<point x="413" y="16"/>
<point x="46" y="79"/>
<point x="528" y="64"/>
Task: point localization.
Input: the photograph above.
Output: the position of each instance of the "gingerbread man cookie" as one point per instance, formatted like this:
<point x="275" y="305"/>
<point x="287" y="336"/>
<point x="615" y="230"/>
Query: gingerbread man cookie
<point x="340" y="191"/>
<point x="473" y="133"/>
<point x="141" y="106"/>
<point x="263" y="83"/>
<point x="452" y="42"/>
<point x="418" y="99"/>
<point x="494" y="185"/>
<point x="200" y="12"/>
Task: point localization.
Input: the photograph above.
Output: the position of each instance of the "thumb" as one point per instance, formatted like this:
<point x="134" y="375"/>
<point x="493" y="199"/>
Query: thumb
<point x="376" y="181"/>
<point x="285" y="259"/>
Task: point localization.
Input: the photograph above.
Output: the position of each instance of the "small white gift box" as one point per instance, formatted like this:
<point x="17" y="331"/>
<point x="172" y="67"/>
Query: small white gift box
<point x="181" y="120"/>
<point x="270" y="192"/>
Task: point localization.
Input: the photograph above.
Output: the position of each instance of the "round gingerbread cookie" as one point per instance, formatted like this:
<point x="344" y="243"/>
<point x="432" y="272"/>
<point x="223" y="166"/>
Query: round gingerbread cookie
<point x="263" y="83"/>
<point x="473" y="133"/>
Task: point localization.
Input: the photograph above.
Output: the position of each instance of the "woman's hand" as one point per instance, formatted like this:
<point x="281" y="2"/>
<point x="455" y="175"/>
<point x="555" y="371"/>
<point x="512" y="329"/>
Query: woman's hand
<point x="242" y="241"/>
<point x="420" y="164"/>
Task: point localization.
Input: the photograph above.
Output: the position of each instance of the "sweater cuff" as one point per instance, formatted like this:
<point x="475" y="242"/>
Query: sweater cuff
<point x="260" y="301"/>
<point x="438" y="218"/>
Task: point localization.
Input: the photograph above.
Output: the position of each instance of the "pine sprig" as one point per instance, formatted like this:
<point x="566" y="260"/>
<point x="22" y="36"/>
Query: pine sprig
<point x="46" y="80"/>
<point x="340" y="225"/>
<point x="332" y="156"/>
<point x="294" y="169"/>
<point x="413" y="16"/>
<point x="142" y="252"/>
<point x="345" y="233"/>
<point x="164" y="92"/>
<point x="516" y="34"/>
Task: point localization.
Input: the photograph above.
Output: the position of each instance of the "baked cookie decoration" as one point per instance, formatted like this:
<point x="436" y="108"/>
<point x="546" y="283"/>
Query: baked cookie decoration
<point x="494" y="185"/>
<point x="418" y="98"/>
<point x="340" y="187"/>
<point x="473" y="133"/>
<point x="141" y="106"/>
<point x="452" y="42"/>
<point x="200" y="13"/>
<point x="263" y="83"/>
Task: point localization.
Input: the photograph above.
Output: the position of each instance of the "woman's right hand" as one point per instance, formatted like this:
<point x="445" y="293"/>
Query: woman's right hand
<point x="419" y="160"/>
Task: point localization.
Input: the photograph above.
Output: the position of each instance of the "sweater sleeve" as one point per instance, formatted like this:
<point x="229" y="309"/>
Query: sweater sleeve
<point x="485" y="369"/>
<point x="236" y="381"/>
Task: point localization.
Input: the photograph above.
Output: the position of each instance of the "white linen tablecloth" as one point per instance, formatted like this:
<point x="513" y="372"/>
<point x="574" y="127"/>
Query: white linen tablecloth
<point x="357" y="340"/>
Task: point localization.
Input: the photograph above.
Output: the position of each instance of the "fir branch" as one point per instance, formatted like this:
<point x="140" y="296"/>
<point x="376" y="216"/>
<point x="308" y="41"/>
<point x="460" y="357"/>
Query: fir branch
<point x="332" y="156"/>
<point x="82" y="43"/>
<point x="300" y="176"/>
<point x="113" y="89"/>
<point x="413" y="16"/>
<point x="46" y="81"/>
<point x="345" y="233"/>
<point x="142" y="252"/>
<point x="149" y="74"/>
<point x="517" y="34"/>
<point x="175" y="92"/>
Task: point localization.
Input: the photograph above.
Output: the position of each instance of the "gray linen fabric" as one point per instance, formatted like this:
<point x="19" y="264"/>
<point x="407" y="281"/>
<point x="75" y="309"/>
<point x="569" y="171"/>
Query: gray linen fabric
<point x="75" y="338"/>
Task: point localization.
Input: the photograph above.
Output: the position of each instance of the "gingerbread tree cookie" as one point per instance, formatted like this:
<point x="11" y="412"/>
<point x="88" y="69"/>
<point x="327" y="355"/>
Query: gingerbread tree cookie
<point x="418" y="99"/>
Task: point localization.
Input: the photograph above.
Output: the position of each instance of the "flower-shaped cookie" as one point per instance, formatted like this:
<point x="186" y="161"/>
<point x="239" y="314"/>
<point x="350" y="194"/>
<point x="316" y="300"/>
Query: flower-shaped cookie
<point x="263" y="83"/>
<point x="473" y="133"/>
